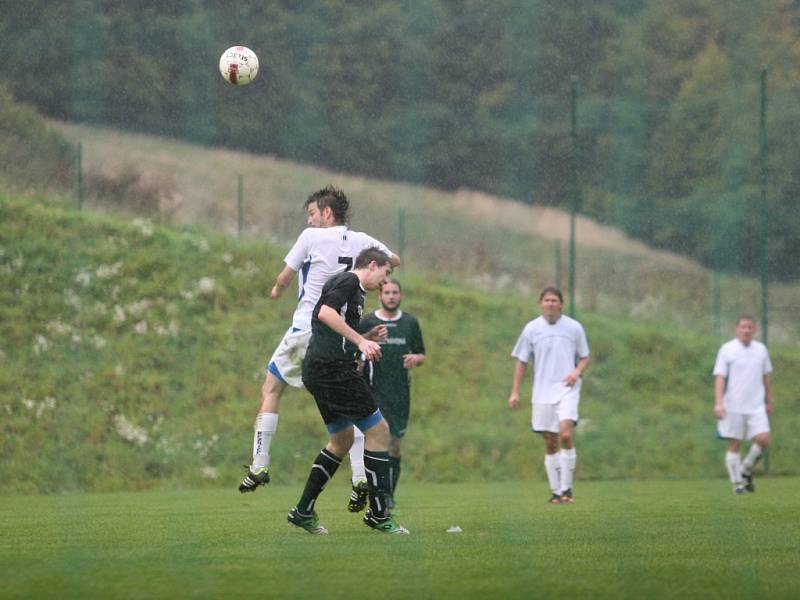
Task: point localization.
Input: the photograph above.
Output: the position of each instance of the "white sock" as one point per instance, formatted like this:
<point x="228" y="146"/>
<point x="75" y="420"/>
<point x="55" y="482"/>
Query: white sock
<point x="567" y="460"/>
<point x="752" y="457"/>
<point x="266" y="425"/>
<point x="357" y="456"/>
<point x="552" y="464"/>
<point x="733" y="463"/>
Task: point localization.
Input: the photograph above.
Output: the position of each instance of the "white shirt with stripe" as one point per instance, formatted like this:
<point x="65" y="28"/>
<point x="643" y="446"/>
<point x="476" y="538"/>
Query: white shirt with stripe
<point x="318" y="254"/>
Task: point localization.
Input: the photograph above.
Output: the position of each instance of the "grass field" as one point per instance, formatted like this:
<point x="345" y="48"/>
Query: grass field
<point x="657" y="539"/>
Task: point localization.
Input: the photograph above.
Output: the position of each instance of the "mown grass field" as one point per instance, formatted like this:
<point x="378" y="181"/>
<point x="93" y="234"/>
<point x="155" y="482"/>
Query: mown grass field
<point x="658" y="539"/>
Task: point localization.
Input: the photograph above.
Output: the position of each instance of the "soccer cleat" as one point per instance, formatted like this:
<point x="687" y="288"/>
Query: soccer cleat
<point x="385" y="525"/>
<point x="566" y="497"/>
<point x="739" y="489"/>
<point x="554" y="499"/>
<point x="748" y="482"/>
<point x="358" y="497"/>
<point x="252" y="480"/>
<point x="308" y="522"/>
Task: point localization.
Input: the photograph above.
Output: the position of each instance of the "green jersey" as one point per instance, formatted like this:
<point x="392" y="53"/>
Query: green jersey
<point x="389" y="379"/>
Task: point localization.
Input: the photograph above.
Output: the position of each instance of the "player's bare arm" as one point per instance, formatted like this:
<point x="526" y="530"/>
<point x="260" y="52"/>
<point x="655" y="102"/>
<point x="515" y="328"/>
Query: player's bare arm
<point x="519" y="375"/>
<point x="719" y="392"/>
<point x="283" y="279"/>
<point x="572" y="378"/>
<point x="330" y="317"/>
<point x="768" y="395"/>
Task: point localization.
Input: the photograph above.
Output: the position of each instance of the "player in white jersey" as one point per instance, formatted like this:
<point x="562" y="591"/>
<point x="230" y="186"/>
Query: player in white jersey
<point x="557" y="344"/>
<point x="325" y="248"/>
<point x="743" y="401"/>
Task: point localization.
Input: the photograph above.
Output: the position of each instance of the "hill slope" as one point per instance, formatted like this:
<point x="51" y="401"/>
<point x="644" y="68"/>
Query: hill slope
<point x="131" y="356"/>
<point x="494" y="242"/>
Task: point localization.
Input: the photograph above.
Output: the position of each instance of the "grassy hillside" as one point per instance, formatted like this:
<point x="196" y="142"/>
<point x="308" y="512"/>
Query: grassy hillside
<point x="487" y="240"/>
<point x="131" y="357"/>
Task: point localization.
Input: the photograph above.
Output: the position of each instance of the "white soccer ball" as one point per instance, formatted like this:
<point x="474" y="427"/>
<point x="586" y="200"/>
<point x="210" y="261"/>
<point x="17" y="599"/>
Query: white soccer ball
<point x="238" y="65"/>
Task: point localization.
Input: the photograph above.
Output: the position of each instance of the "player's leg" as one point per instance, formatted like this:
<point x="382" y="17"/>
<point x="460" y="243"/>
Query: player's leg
<point x="544" y="420"/>
<point x="284" y="368"/>
<point x="758" y="431"/>
<point x="731" y="428"/>
<point x="567" y="459"/>
<point x="567" y="410"/>
<point x="394" y="465"/>
<point x="325" y="465"/>
<point x="265" y="427"/>
<point x="359" y="494"/>
<point x="376" y="464"/>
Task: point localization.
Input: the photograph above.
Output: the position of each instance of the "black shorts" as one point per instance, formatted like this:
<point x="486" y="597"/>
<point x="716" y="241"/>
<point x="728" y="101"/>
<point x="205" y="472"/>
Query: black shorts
<point x="396" y="412"/>
<point x="340" y="392"/>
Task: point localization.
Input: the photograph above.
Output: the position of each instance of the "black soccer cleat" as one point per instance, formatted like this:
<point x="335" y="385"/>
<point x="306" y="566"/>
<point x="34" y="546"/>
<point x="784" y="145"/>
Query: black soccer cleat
<point x="748" y="482"/>
<point x="252" y="480"/>
<point x="358" y="497"/>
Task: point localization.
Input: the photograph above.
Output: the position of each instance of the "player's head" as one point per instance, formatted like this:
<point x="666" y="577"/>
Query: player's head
<point x="745" y="328"/>
<point x="551" y="301"/>
<point x="373" y="268"/>
<point x="391" y="295"/>
<point x="326" y="207"/>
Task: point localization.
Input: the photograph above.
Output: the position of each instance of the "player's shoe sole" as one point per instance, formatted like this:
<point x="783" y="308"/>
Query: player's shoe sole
<point x="308" y="522"/>
<point x="252" y="480"/>
<point x="358" y="497"/>
<point x="554" y="499"/>
<point x="566" y="497"/>
<point x="386" y="525"/>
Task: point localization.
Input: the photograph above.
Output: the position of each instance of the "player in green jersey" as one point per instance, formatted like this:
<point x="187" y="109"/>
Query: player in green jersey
<point x="390" y="378"/>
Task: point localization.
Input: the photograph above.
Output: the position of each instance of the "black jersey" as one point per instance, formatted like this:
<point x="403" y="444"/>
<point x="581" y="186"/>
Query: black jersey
<point x="344" y="294"/>
<point x="388" y="377"/>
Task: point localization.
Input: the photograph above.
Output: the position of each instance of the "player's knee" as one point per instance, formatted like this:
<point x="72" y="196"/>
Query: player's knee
<point x="378" y="434"/>
<point x="762" y="439"/>
<point x="271" y="391"/>
<point x="565" y="439"/>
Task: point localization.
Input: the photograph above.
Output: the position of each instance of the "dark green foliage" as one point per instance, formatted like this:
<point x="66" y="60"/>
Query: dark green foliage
<point x="460" y="94"/>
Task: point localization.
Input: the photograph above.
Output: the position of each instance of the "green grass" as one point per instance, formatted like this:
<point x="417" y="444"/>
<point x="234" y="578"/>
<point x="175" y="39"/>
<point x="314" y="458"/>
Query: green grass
<point x="691" y="539"/>
<point x="118" y="372"/>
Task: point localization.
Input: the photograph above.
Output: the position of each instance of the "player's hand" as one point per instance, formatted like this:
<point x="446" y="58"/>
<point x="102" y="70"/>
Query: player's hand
<point x="410" y="360"/>
<point x="371" y="350"/>
<point x="572" y="378"/>
<point x="719" y="411"/>
<point x="513" y="401"/>
<point x="276" y="292"/>
<point x="377" y="333"/>
<point x="770" y="407"/>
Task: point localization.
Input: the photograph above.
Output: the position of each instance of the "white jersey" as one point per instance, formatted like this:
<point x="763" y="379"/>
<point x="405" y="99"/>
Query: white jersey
<point x="743" y="368"/>
<point x="555" y="350"/>
<point x="319" y="254"/>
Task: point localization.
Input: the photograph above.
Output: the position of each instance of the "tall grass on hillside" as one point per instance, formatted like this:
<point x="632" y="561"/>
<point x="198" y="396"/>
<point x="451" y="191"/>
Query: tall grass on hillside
<point x="491" y="241"/>
<point x="132" y="354"/>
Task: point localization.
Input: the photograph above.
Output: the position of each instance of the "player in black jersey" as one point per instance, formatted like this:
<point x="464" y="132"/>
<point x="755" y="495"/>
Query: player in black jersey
<point x="342" y="396"/>
<point x="390" y="378"/>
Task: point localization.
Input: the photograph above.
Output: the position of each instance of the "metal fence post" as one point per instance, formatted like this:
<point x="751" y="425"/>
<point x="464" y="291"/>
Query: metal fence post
<point x="240" y="205"/>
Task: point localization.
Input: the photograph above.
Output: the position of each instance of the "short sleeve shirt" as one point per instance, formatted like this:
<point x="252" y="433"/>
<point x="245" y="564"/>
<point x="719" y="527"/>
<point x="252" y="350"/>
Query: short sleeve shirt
<point x="743" y="368"/>
<point x="387" y="376"/>
<point x="344" y="294"/>
<point x="555" y="350"/>
<point x="319" y="254"/>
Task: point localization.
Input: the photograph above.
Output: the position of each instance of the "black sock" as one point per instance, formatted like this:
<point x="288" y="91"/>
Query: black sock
<point x="322" y="471"/>
<point x="376" y="464"/>
<point x="394" y="473"/>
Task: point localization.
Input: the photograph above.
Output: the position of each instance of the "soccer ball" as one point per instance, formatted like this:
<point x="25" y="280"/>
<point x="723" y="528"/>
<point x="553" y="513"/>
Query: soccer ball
<point x="238" y="65"/>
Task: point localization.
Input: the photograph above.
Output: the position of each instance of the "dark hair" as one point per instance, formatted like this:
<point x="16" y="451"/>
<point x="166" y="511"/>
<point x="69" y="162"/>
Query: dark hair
<point x="552" y="290"/>
<point x="393" y="281"/>
<point x="745" y="317"/>
<point x="368" y="255"/>
<point x="334" y="198"/>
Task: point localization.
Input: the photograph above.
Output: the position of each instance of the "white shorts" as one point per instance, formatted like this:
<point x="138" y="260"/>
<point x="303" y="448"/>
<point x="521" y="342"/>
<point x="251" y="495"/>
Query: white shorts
<point x="287" y="360"/>
<point x="739" y="426"/>
<point x="548" y="417"/>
